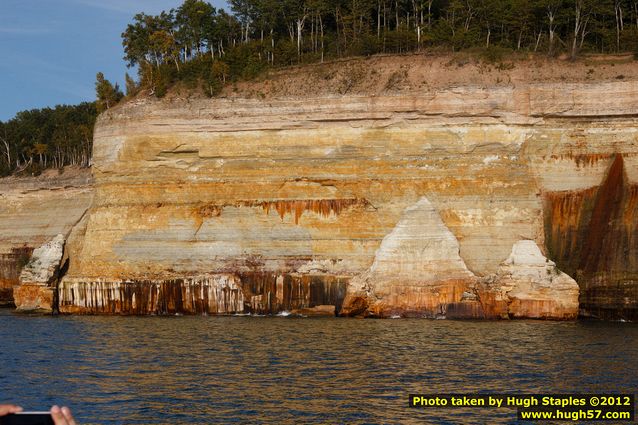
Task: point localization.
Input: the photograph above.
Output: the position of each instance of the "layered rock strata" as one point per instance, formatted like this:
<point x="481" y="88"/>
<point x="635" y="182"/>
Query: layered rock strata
<point x="417" y="271"/>
<point x="32" y="212"/>
<point x="387" y="204"/>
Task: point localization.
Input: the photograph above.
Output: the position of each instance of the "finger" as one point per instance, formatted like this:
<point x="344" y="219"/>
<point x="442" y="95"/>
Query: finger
<point x="58" y="416"/>
<point x="68" y="416"/>
<point x="5" y="409"/>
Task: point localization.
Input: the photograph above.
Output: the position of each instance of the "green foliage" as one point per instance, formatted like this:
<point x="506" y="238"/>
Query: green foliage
<point x="183" y="44"/>
<point x="131" y="86"/>
<point x="107" y="94"/>
<point x="495" y="54"/>
<point x="367" y="45"/>
<point x="47" y="138"/>
<point x="244" y="62"/>
<point x="165" y="77"/>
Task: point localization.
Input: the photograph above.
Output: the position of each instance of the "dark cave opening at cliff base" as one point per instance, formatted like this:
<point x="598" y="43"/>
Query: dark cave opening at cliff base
<point x="10" y="266"/>
<point x="592" y="235"/>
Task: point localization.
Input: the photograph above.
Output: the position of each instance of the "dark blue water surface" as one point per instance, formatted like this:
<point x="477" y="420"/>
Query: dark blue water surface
<point x="245" y="370"/>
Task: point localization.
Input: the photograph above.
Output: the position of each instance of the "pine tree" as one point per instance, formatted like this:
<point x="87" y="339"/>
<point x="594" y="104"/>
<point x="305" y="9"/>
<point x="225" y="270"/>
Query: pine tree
<point x="131" y="86"/>
<point x="107" y="94"/>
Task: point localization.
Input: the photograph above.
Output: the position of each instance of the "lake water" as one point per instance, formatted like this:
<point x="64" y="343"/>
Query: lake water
<point x="272" y="370"/>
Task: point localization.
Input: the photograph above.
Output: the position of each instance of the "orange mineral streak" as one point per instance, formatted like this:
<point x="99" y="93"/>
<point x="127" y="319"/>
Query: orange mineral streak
<point x="322" y="207"/>
<point x="423" y="299"/>
<point x="34" y="297"/>
<point x="588" y="160"/>
<point x="540" y="309"/>
<point x="593" y="236"/>
<point x="296" y="208"/>
<point x="10" y="266"/>
<point x="594" y="256"/>
<point x="251" y="292"/>
<point x="273" y="292"/>
<point x="631" y="207"/>
<point x="583" y="160"/>
<point x="566" y="213"/>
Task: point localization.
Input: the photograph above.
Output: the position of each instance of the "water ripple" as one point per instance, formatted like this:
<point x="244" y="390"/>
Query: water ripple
<point x="201" y="370"/>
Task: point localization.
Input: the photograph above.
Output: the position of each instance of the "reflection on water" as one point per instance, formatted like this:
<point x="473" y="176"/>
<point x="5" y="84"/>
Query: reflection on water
<point x="185" y="370"/>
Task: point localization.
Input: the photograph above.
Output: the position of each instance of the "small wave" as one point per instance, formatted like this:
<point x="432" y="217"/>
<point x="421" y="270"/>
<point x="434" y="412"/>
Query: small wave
<point x="395" y="316"/>
<point x="284" y="313"/>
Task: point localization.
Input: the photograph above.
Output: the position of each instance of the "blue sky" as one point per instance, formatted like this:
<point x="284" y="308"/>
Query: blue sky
<point x="50" y="50"/>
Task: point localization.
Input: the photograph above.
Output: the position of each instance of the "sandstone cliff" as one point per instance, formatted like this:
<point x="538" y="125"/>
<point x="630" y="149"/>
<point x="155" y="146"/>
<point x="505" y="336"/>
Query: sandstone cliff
<point x="32" y="212"/>
<point x="396" y="193"/>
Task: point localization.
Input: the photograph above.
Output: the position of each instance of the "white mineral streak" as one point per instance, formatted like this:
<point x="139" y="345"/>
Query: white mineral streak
<point x="527" y="276"/>
<point x="417" y="267"/>
<point x="420" y="248"/>
<point x="43" y="267"/>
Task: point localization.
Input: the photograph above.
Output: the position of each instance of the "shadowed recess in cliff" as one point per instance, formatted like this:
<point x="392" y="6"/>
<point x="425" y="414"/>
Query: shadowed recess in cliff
<point x="257" y="293"/>
<point x="272" y="292"/>
<point x="593" y="236"/>
<point x="10" y="266"/>
<point x="597" y="253"/>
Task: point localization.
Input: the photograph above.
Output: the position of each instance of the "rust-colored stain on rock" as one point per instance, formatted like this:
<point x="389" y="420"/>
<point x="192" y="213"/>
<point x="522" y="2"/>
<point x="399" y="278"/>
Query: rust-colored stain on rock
<point x="593" y="236"/>
<point x="245" y="293"/>
<point x="10" y="266"/>
<point x="323" y="207"/>
<point x="260" y="206"/>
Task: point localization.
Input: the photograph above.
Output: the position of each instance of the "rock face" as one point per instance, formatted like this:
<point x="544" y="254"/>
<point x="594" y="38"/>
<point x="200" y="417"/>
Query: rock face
<point x="533" y="287"/>
<point x="32" y="212"/>
<point x="37" y="279"/>
<point x="387" y="202"/>
<point x="417" y="270"/>
<point x="44" y="265"/>
<point x="219" y="294"/>
<point x="593" y="235"/>
<point x="11" y="263"/>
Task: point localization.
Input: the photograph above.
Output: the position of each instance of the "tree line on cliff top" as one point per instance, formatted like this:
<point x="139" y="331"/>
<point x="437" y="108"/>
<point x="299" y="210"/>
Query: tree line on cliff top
<point x="199" y="45"/>
<point x="47" y="138"/>
<point x="56" y="137"/>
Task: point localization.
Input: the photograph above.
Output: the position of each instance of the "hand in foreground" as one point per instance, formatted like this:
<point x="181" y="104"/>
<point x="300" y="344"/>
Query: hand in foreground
<point x="62" y="416"/>
<point x="6" y="409"/>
